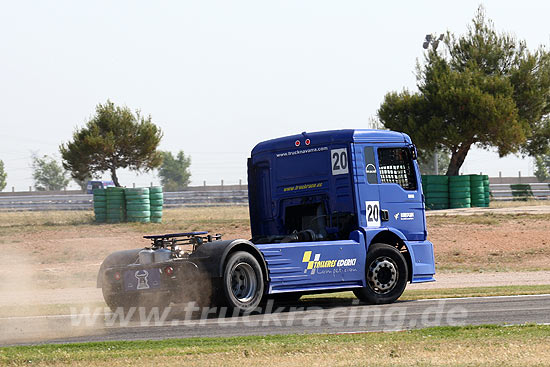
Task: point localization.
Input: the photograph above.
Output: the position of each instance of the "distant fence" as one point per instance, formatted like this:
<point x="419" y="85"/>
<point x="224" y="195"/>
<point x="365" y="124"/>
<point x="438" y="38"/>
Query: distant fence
<point x="84" y="201"/>
<point x="516" y="191"/>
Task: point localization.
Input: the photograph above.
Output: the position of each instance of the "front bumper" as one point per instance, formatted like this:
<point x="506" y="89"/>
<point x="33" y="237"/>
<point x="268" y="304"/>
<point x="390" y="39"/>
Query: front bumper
<point x="423" y="261"/>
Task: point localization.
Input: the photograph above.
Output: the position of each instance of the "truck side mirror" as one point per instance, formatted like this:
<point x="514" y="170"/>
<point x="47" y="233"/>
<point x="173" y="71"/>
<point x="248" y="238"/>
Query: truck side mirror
<point x="413" y="151"/>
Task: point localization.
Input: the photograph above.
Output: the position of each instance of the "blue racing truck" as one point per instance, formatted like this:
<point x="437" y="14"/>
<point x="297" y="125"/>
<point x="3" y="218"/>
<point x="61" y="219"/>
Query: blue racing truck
<point x="329" y="211"/>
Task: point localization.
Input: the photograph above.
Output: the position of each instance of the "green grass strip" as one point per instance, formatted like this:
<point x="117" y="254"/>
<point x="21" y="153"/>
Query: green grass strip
<point x="270" y="345"/>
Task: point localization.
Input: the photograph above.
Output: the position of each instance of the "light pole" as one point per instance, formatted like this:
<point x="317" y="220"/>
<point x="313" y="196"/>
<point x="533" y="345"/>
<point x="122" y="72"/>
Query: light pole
<point x="431" y="40"/>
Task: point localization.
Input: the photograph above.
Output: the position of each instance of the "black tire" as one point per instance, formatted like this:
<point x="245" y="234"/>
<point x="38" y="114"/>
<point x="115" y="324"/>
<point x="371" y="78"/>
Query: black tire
<point x="243" y="282"/>
<point x="128" y="300"/>
<point x="385" y="267"/>
<point x="116" y="300"/>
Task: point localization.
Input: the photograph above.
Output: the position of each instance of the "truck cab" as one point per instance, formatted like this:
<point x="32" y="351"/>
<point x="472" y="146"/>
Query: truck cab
<point x="321" y="203"/>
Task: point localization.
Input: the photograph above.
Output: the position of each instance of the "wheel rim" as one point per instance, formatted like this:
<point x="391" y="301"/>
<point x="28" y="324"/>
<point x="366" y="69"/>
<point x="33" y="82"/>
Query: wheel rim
<point x="243" y="282"/>
<point x="383" y="274"/>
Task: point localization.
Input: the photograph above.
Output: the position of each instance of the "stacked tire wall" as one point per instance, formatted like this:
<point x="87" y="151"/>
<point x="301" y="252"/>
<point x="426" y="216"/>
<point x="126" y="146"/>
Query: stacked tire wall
<point x="116" y="207"/>
<point x="459" y="192"/>
<point x="138" y="208"/>
<point x="462" y="191"/>
<point x="477" y="191"/>
<point x="100" y="205"/>
<point x="486" y="190"/>
<point x="156" y="198"/>
<point x="436" y="191"/>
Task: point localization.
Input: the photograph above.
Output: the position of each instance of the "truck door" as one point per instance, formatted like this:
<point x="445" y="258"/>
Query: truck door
<point x="391" y="174"/>
<point x="366" y="180"/>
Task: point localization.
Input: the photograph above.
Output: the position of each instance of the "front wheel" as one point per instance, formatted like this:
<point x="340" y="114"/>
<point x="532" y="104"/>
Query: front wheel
<point x="386" y="275"/>
<point x="243" y="282"/>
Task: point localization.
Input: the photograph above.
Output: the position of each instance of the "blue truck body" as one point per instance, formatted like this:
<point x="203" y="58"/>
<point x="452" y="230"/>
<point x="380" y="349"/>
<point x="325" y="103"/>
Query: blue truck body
<point x="332" y="210"/>
<point x="338" y="175"/>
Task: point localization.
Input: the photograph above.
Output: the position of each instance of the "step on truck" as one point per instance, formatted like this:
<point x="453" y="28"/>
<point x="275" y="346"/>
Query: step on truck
<point x="329" y="211"/>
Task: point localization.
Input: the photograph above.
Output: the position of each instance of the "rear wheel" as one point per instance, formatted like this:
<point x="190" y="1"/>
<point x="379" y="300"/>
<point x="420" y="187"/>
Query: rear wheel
<point x="126" y="301"/>
<point x="243" y="282"/>
<point x="115" y="300"/>
<point x="386" y="275"/>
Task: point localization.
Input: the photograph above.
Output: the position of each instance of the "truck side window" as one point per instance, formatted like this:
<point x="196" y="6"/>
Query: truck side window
<point x="396" y="166"/>
<point x="370" y="166"/>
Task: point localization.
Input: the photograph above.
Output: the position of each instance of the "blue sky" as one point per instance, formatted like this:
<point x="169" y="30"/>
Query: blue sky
<point x="220" y="76"/>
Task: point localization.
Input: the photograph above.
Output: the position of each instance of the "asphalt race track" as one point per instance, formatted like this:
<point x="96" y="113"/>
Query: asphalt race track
<point x="320" y="316"/>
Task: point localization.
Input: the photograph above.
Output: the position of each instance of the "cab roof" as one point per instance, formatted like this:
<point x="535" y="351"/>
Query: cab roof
<point x="330" y="137"/>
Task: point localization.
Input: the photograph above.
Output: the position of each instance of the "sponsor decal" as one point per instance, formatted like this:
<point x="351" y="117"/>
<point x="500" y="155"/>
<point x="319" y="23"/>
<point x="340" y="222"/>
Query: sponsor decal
<point x="404" y="216"/>
<point x="301" y="151"/>
<point x="371" y="168"/>
<point x="303" y="187"/>
<point x="317" y="263"/>
<point x="141" y="276"/>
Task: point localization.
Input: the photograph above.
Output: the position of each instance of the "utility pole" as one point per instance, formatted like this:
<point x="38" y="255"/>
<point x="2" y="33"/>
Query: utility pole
<point x="430" y="40"/>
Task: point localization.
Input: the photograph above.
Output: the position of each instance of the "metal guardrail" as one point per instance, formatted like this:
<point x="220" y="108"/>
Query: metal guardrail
<point x="539" y="191"/>
<point x="85" y="201"/>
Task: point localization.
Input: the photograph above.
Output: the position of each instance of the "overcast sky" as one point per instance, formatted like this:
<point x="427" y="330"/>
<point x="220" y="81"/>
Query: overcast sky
<point x="220" y="76"/>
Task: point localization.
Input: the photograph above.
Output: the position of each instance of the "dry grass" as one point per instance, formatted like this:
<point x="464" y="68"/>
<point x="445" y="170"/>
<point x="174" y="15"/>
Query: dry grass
<point x="445" y="346"/>
<point x="516" y="203"/>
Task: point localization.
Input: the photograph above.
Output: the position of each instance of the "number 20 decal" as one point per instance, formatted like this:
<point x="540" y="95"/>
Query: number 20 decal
<point x="339" y="161"/>
<point x="373" y="213"/>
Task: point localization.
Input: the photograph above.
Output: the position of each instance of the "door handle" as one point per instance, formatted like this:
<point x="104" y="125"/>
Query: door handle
<point x="384" y="215"/>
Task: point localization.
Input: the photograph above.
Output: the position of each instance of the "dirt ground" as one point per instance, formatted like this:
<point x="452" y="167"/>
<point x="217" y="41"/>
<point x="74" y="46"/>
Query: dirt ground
<point x="57" y="261"/>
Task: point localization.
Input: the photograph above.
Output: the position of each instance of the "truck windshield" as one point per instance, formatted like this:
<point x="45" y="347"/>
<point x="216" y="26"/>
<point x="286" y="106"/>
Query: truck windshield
<point x="396" y="166"/>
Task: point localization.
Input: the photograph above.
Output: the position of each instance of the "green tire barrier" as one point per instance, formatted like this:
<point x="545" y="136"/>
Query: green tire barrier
<point x="457" y="179"/>
<point x="144" y="207"/>
<point x="437" y="188"/>
<point x="115" y="204"/>
<point x="132" y="191"/>
<point x="138" y="208"/>
<point x="436" y="191"/>
<point x="459" y="195"/>
<point x="486" y="190"/>
<point x="459" y="185"/>
<point x="478" y="185"/>
<point x="155" y="190"/>
<point x="100" y="205"/>
<point x="476" y="178"/>
<point x="437" y="195"/>
<point x="460" y="191"/>
<point x="156" y="198"/>
<point x="132" y="214"/>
